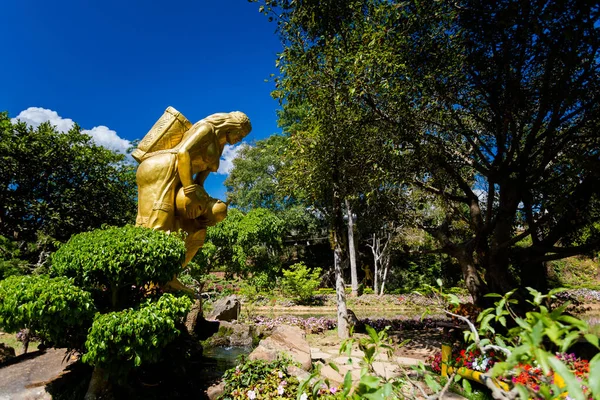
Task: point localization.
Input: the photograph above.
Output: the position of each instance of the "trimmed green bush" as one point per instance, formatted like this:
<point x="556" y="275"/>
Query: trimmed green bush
<point x="52" y="308"/>
<point x="120" y="341"/>
<point x="115" y="262"/>
<point x="120" y="256"/>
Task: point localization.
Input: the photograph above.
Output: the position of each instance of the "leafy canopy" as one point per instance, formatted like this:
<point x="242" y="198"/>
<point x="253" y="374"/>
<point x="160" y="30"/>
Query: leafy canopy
<point x="117" y="257"/>
<point x="54" y="309"/>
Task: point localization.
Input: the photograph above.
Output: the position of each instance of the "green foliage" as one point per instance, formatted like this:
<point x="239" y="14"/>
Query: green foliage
<point x="369" y="385"/>
<point x="253" y="182"/>
<point x="266" y="380"/>
<point x="534" y="340"/>
<point x="10" y="262"/>
<point x="490" y="109"/>
<point x="575" y="272"/>
<point x="116" y="258"/>
<point x="243" y="243"/>
<point x="53" y="309"/>
<point x="59" y="184"/>
<point x="120" y="341"/>
<point x="300" y="282"/>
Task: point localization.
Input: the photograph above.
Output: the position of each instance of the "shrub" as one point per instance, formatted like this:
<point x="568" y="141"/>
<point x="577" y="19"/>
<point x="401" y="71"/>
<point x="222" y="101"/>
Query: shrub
<point x="106" y="270"/>
<point x="53" y="309"/>
<point x="300" y="282"/>
<point x="115" y="259"/>
<point x="119" y="341"/>
<point x="119" y="256"/>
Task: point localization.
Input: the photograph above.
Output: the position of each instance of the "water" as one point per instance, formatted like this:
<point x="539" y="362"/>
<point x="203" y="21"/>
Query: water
<point x="220" y="359"/>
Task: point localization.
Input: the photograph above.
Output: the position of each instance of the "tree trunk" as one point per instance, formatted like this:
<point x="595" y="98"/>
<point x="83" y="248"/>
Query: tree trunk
<point x="375" y="275"/>
<point x="98" y="385"/>
<point x="472" y="280"/>
<point x="386" y="268"/>
<point x="497" y="262"/>
<point x="534" y="274"/>
<point x="337" y="244"/>
<point x="342" y="310"/>
<point x="352" y="251"/>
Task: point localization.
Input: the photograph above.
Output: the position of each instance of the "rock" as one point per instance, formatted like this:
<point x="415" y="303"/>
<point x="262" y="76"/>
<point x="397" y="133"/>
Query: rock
<point x="227" y="309"/>
<point x="299" y="373"/>
<point x="334" y="377"/>
<point x="232" y="334"/>
<point x="408" y="361"/>
<point x="215" y="391"/>
<point x="191" y="320"/>
<point x="6" y="353"/>
<point x="290" y="340"/>
<point x="385" y="369"/>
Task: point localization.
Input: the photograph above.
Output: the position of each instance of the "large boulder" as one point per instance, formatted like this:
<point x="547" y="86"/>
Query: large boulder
<point x="232" y="334"/>
<point x="226" y="309"/>
<point x="285" y="339"/>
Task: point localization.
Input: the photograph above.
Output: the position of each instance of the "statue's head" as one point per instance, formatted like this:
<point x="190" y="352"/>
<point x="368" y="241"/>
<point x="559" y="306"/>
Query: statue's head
<point x="234" y="125"/>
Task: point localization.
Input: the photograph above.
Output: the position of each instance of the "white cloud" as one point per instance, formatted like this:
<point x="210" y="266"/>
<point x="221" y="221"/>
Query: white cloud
<point x="35" y="116"/>
<point x="102" y="135"/>
<point x="229" y="153"/>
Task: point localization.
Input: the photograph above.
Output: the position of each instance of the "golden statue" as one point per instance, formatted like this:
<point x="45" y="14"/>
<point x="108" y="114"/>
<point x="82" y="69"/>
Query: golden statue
<point x="175" y="158"/>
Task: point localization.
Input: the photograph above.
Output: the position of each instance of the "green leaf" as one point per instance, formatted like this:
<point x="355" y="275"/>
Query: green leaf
<point x="593" y="381"/>
<point x="467" y="386"/>
<point x="347" y="383"/>
<point x="334" y="367"/>
<point x="372" y="333"/>
<point x="593" y="339"/>
<point x="371" y="382"/>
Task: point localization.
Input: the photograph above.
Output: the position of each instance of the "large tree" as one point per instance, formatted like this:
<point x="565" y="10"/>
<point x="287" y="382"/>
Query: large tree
<point x="333" y="151"/>
<point x="55" y="184"/>
<point x="496" y="102"/>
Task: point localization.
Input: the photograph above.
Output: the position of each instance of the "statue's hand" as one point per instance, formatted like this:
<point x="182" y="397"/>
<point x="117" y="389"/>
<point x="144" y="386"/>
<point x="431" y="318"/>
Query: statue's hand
<point x="192" y="201"/>
<point x="193" y="206"/>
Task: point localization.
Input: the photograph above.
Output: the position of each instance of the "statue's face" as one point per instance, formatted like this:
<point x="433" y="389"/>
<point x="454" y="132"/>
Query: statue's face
<point x="234" y="135"/>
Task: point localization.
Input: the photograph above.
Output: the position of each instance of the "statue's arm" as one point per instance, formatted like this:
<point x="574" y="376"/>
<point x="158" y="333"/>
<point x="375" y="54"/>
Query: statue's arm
<point x="184" y="159"/>
<point x="197" y="143"/>
<point x="201" y="177"/>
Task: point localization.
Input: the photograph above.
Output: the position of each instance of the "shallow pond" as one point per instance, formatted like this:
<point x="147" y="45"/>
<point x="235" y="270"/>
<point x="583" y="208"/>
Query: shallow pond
<point x="220" y="359"/>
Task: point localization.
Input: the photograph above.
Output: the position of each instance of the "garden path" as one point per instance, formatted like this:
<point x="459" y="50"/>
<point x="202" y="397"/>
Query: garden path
<point x="25" y="377"/>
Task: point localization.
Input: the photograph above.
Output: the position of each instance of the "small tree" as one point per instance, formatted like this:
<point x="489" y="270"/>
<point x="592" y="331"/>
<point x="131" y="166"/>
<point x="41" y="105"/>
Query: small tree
<point x="300" y="282"/>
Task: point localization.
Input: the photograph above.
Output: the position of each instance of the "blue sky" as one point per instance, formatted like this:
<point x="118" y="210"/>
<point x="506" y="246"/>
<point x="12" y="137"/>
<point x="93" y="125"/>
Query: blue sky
<point x="114" y="66"/>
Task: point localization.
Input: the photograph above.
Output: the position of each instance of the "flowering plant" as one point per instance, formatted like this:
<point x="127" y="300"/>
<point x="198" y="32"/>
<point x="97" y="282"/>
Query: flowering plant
<point x="435" y="361"/>
<point x="534" y="379"/>
<point x="475" y="360"/>
<point x="258" y="379"/>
